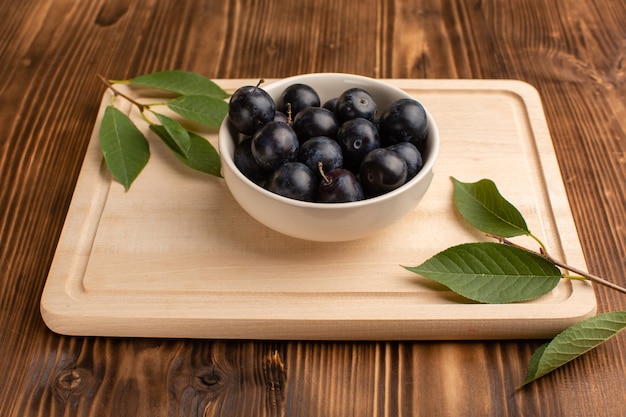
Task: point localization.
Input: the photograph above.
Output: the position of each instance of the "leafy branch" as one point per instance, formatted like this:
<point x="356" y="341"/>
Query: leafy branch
<point x="505" y="272"/>
<point x="194" y="98"/>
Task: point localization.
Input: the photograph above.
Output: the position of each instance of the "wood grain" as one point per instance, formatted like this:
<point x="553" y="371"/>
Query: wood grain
<point x="50" y="51"/>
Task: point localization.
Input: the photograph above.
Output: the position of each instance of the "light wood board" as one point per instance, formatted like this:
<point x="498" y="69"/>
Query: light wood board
<point x="176" y="257"/>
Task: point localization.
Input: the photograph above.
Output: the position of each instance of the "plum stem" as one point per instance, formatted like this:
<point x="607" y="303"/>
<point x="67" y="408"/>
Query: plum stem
<point x="320" y="167"/>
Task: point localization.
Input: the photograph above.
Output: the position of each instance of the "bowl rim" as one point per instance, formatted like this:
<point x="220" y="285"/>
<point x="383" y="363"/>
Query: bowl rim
<point x="427" y="168"/>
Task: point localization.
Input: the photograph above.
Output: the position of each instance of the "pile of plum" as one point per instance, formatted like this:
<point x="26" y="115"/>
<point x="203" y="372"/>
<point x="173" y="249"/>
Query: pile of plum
<point x="338" y="151"/>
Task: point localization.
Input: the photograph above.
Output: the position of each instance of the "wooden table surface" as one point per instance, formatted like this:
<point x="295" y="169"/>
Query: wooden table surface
<point x="572" y="51"/>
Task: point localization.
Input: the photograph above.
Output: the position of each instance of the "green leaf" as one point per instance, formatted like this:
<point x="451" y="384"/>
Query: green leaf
<point x="181" y="82"/>
<point x="201" y="156"/>
<point x="208" y="111"/>
<point x="482" y="205"/>
<point x="176" y="132"/>
<point x="166" y="138"/>
<point x="125" y="149"/>
<point x="573" y="342"/>
<point x="490" y="272"/>
<point x="533" y="364"/>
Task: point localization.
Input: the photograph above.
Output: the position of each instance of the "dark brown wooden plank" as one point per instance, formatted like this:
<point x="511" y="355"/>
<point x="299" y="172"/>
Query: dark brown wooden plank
<point x="573" y="52"/>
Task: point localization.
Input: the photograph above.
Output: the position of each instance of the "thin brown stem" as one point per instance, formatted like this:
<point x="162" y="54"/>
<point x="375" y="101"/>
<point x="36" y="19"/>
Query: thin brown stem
<point x="116" y="92"/>
<point x="586" y="275"/>
<point x="320" y="167"/>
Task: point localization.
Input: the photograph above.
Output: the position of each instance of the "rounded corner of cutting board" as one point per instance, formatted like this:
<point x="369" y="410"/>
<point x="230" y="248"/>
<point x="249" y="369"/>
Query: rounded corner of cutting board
<point x="57" y="309"/>
<point x="586" y="296"/>
<point x="51" y="316"/>
<point x="522" y="86"/>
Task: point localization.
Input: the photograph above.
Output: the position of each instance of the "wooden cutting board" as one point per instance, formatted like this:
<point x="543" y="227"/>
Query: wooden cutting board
<point x="176" y="256"/>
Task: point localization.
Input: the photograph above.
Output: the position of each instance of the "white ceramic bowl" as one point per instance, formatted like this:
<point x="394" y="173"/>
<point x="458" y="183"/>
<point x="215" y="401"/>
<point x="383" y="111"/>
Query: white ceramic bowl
<point x="328" y="222"/>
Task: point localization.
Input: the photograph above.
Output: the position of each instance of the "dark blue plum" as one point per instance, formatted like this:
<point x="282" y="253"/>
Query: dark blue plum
<point x="356" y="103"/>
<point x="274" y="144"/>
<point x="357" y="137"/>
<point x="382" y="171"/>
<point x="339" y="186"/>
<point x="293" y="180"/>
<point x="411" y="155"/>
<point x="331" y="104"/>
<point x="279" y="116"/>
<point x="249" y="108"/>
<point x="404" y="120"/>
<point x="315" y="121"/>
<point x="245" y="162"/>
<point x="323" y="150"/>
<point x="299" y="96"/>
